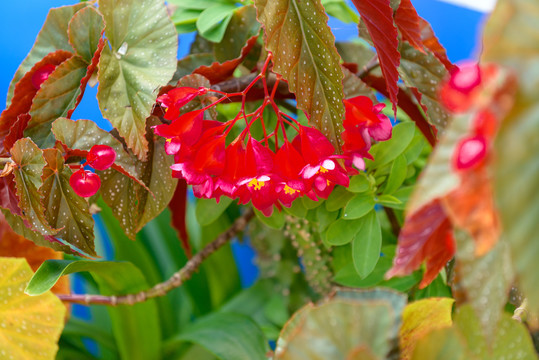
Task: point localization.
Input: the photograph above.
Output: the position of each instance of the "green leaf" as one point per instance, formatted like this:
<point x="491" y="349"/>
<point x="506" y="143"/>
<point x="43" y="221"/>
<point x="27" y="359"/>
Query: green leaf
<point x="325" y="217"/>
<point x="131" y="324"/>
<point x="64" y="209"/>
<point x="228" y="336"/>
<point x="208" y="210"/>
<point x="397" y="175"/>
<point x="423" y="71"/>
<point x="198" y="4"/>
<point x="85" y="31"/>
<point x="367" y="245"/>
<point x="185" y="20"/>
<point x="359" y="206"/>
<point x="140" y="59"/>
<point x="338" y="198"/>
<point x="56" y="97"/>
<point x="386" y="151"/>
<point x="389" y="201"/>
<point x="304" y="53"/>
<point x="339" y="326"/>
<point x="484" y="282"/>
<point x="132" y="204"/>
<point x="52" y="37"/>
<point x="212" y="22"/>
<point x="30" y="164"/>
<point x="509" y="41"/>
<point x="342" y="232"/>
<point x="340" y="10"/>
<point x="359" y="183"/>
<point x="276" y="220"/>
<point x="241" y="27"/>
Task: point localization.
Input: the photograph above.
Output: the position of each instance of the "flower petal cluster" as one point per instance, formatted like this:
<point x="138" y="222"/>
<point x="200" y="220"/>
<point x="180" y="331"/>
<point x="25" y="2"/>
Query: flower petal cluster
<point x="249" y="170"/>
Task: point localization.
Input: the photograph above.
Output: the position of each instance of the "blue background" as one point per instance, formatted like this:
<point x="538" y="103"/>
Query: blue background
<point x="20" y="21"/>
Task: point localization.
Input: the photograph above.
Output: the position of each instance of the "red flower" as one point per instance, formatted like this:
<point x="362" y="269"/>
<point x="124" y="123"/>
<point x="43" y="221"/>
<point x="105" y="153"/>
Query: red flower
<point x="176" y="98"/>
<point x="258" y="181"/>
<point x="361" y="113"/>
<point x="227" y="183"/>
<point x="321" y="170"/>
<point x="186" y="129"/>
<point x="288" y="165"/>
<point x="460" y="91"/>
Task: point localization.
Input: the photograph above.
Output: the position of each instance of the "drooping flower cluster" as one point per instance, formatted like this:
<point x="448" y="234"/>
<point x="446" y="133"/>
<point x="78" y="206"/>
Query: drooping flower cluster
<point x="248" y="169"/>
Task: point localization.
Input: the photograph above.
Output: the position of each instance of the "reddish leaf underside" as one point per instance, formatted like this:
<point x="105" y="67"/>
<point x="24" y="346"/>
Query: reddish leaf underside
<point x="407" y="21"/>
<point x="218" y="72"/>
<point x="426" y="236"/>
<point x="432" y="43"/>
<point x="178" y="207"/>
<point x="22" y="100"/>
<point x="378" y="18"/>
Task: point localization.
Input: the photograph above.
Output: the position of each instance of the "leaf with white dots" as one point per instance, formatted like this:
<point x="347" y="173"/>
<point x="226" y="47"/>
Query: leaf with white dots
<point x="140" y="58"/>
<point x="423" y="71"/>
<point x="64" y="209"/>
<point x="304" y="53"/>
<point x="133" y="205"/>
<point x="29" y="325"/>
<point x="30" y="162"/>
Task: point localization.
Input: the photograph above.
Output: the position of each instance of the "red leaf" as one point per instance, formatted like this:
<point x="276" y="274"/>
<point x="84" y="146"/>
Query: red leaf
<point x="407" y="22"/>
<point x="378" y="17"/>
<point x="16" y="131"/>
<point x="89" y="72"/>
<point x="23" y="96"/>
<point x="426" y="237"/>
<point x="8" y="199"/>
<point x="178" y="207"/>
<point x="406" y="103"/>
<point x="218" y="72"/>
<point x="432" y="43"/>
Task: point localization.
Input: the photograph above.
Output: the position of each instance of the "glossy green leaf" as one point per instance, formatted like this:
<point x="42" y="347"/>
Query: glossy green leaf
<point x="389" y="201"/>
<point x="304" y="53"/>
<point x="85" y="31"/>
<point x="359" y="183"/>
<point x="185" y="20"/>
<point x="52" y="37"/>
<point x="228" y="336"/>
<point x="359" y="206"/>
<point x="241" y="27"/>
<point x="30" y="164"/>
<point x="64" y="209"/>
<point x="208" y="210"/>
<point x="367" y="245"/>
<point x="132" y="204"/>
<point x="397" y="175"/>
<point x="339" y="9"/>
<point x="338" y="198"/>
<point x="275" y="220"/>
<point x="342" y="232"/>
<point x="423" y="71"/>
<point x="348" y="275"/>
<point x="140" y="59"/>
<point x="212" y="22"/>
<point x="510" y="41"/>
<point x="131" y="324"/>
<point x="325" y="217"/>
<point x="57" y="95"/>
<point x="338" y="327"/>
<point x="386" y="151"/>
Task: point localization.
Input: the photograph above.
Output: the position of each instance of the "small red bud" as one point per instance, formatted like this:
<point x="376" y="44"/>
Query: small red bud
<point x="101" y="157"/>
<point x="457" y="93"/>
<point x="42" y="74"/>
<point x="85" y="183"/>
<point x="470" y="152"/>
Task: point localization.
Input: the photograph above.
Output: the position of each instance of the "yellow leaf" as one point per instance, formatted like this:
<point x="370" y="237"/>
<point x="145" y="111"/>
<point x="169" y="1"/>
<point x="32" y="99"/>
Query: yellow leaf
<point x="29" y="325"/>
<point x="420" y="318"/>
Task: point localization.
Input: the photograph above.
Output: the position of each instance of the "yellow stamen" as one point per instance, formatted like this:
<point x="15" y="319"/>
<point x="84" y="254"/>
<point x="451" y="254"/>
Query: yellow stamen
<point x="256" y="183"/>
<point x="289" y="191"/>
<point x="168" y="140"/>
<point x="323" y="170"/>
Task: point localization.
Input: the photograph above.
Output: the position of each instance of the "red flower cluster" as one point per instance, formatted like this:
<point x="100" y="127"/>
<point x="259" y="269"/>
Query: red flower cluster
<point x="247" y="169"/>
